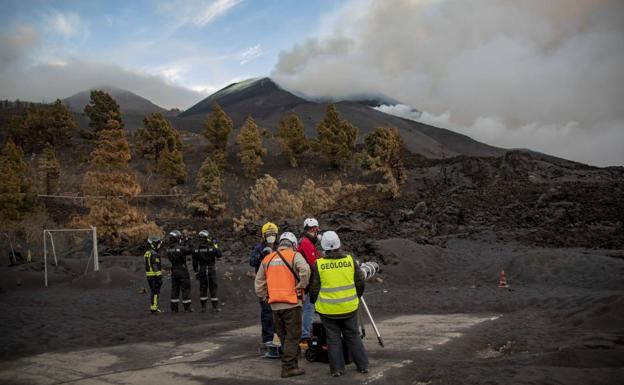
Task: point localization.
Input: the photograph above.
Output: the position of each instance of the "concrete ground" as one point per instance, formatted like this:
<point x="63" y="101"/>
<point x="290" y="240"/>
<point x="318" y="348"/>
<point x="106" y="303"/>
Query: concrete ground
<point x="232" y="357"/>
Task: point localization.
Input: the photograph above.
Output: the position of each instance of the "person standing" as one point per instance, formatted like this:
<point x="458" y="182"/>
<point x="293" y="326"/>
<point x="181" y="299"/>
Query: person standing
<point x="205" y="255"/>
<point x="180" y="278"/>
<point x="153" y="272"/>
<point x="266" y="246"/>
<point x="308" y="249"/>
<point x="336" y="285"/>
<point x="282" y="276"/>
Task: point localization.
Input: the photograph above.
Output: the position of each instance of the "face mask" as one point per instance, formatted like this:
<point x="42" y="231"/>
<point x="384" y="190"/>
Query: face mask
<point x="270" y="239"/>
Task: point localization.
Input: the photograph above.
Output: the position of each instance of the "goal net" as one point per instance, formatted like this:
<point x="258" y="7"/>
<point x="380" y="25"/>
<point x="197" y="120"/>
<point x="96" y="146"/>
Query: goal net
<point x="76" y="247"/>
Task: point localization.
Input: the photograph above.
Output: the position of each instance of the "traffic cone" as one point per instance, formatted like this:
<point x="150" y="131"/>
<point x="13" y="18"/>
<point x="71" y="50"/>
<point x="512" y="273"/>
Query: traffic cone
<point x="502" y="281"/>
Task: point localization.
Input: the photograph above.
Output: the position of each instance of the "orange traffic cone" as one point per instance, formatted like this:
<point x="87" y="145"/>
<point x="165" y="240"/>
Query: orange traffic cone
<point x="502" y="281"/>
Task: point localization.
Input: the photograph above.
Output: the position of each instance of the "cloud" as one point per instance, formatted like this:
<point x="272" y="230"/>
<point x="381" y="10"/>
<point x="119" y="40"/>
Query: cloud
<point x="534" y="67"/>
<point x="16" y="46"/>
<point x="196" y="12"/>
<point x="68" y="25"/>
<point x="250" y="54"/>
<point x="60" y="79"/>
<point x="569" y="140"/>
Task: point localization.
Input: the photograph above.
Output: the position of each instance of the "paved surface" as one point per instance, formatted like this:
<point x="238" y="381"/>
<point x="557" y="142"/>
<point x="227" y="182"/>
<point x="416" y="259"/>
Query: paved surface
<point x="231" y="357"/>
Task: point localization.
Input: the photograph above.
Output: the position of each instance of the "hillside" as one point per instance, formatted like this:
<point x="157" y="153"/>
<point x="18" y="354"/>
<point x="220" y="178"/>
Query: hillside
<point x="268" y="103"/>
<point x="129" y="102"/>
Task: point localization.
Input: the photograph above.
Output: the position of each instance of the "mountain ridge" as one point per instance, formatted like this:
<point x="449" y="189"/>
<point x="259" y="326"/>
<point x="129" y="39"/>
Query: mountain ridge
<point x="129" y="102"/>
<point x="268" y="103"/>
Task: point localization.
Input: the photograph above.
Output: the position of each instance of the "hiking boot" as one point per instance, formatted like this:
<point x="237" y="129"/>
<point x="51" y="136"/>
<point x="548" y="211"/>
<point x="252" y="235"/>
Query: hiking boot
<point x="157" y="311"/>
<point x="363" y="370"/>
<point x="292" y="372"/>
<point x="336" y="374"/>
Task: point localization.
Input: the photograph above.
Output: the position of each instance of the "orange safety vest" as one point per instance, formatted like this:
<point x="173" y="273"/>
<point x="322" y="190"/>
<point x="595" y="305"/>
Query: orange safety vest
<point x="281" y="282"/>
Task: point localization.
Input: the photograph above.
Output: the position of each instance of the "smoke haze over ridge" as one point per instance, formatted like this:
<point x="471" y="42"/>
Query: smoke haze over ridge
<point x="541" y="75"/>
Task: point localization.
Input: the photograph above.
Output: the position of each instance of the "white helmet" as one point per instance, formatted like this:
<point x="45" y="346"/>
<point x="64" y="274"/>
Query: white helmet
<point x="310" y="222"/>
<point x="330" y="241"/>
<point x="289" y="237"/>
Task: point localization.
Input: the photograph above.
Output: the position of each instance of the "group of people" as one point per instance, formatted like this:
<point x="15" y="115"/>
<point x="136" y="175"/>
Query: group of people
<point x="204" y="251"/>
<point x="294" y="280"/>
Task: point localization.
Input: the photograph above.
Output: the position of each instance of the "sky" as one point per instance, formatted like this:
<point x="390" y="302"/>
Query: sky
<point x="544" y="75"/>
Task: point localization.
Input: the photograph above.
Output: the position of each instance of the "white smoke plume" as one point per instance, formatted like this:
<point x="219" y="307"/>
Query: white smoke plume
<point x="545" y="75"/>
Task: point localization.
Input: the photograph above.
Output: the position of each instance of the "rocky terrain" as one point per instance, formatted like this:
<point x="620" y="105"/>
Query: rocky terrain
<point x="467" y="211"/>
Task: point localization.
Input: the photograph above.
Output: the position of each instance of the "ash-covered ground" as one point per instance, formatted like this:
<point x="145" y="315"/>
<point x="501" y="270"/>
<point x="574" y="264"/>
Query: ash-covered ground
<point x="556" y="228"/>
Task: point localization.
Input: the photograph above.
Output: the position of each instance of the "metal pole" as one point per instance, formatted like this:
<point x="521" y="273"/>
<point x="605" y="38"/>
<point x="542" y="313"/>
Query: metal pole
<point x="96" y="259"/>
<point x="372" y="322"/>
<point x="361" y="322"/>
<point x="53" y="248"/>
<point x="45" y="258"/>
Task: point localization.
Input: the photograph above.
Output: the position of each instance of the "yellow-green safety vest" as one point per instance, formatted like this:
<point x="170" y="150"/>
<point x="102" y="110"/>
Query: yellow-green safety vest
<point x="337" y="294"/>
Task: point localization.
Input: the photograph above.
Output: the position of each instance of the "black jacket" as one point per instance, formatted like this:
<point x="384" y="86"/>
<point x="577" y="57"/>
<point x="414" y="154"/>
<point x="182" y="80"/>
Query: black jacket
<point x="177" y="252"/>
<point x="205" y="254"/>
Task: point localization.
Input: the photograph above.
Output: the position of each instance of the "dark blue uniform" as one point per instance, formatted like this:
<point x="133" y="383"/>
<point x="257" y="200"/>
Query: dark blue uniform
<point x="266" y="314"/>
<point x="180" y="278"/>
<point x="205" y="255"/>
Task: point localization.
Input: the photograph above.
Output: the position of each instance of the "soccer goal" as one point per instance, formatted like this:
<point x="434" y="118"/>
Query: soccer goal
<point x="90" y="251"/>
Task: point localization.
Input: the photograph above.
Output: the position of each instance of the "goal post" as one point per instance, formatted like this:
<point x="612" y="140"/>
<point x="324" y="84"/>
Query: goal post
<point x="50" y="248"/>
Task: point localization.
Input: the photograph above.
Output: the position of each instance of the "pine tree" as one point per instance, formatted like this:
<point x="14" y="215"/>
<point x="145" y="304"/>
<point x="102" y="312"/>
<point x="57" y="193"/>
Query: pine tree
<point x="217" y="128"/>
<point x="171" y="169"/>
<point x="251" y="150"/>
<point x="60" y="126"/>
<point x="383" y="153"/>
<point x="209" y="197"/>
<point x="30" y="128"/>
<point x="16" y="198"/>
<point x="159" y="141"/>
<point x="292" y="138"/>
<point x="156" y="135"/>
<point x="102" y="108"/>
<point x="336" y="137"/>
<point x="49" y="170"/>
<point x="109" y="184"/>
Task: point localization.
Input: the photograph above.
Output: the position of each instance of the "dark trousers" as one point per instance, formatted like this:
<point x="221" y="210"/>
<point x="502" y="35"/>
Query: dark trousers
<point x="288" y="328"/>
<point x="154" y="284"/>
<point x="180" y="282"/>
<point x="266" y="319"/>
<point x="348" y="328"/>
<point x="208" y="280"/>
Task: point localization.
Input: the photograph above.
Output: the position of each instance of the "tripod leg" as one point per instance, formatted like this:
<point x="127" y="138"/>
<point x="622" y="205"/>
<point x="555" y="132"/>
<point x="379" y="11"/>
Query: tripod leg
<point x="372" y="322"/>
<point x="361" y="322"/>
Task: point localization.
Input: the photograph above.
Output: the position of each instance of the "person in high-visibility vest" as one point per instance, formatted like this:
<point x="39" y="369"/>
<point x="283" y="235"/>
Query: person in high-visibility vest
<point x="336" y="285"/>
<point x="153" y="272"/>
<point x="267" y="245"/>
<point x="282" y="276"/>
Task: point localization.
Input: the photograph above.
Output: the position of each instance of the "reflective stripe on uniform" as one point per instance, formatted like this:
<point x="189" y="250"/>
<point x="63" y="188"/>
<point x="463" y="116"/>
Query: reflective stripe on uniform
<point x="186" y="301"/>
<point x="175" y="300"/>
<point x="337" y="300"/>
<point x="148" y="265"/>
<point x="334" y="289"/>
<point x="203" y="298"/>
<point x="214" y="299"/>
